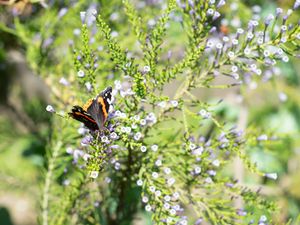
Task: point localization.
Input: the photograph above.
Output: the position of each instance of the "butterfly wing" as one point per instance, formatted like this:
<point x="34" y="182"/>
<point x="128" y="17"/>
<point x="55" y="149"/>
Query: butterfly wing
<point x="95" y="112"/>
<point x="100" y="106"/>
<point x="81" y="115"/>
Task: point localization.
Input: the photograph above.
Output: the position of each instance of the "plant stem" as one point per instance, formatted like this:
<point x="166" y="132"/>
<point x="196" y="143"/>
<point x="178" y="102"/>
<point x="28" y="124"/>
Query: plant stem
<point x="45" y="202"/>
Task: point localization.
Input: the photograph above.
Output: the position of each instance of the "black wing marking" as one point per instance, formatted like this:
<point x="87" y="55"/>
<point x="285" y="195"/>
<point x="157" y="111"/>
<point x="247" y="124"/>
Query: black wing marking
<point x="79" y="114"/>
<point x="106" y="95"/>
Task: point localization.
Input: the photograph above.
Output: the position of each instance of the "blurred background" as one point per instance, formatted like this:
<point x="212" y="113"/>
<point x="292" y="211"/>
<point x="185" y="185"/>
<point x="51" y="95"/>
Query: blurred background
<point x="25" y="126"/>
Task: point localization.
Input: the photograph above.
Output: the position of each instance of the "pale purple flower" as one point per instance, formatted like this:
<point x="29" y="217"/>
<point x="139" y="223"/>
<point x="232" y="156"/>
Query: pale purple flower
<point x="62" y="12"/>
<point x="64" y="81"/>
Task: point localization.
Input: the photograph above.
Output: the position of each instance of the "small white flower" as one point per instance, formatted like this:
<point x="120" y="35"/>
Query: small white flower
<point x="107" y="180"/>
<point x="234" y="6"/>
<point x="260" y="41"/>
<point x="145" y="199"/>
<point x="262" y="137"/>
<point x="64" y="81"/>
<point x="136" y="117"/>
<point x="283" y="27"/>
<point x="216" y="163"/>
<point x="282" y="96"/>
<point x="82" y="16"/>
<point x="128" y="130"/>
<point x="66" y="182"/>
<point x="234" y="69"/>
<point x="158" y="162"/>
<point x="209" y="44"/>
<point x="113" y="136"/>
<point x="104" y="139"/>
<point x="202" y="112"/>
<point x="176" y="195"/>
<point x="143" y="122"/>
<point x="166" y="205"/>
<point x="216" y="15"/>
<point x="157" y="193"/>
<point x="174" y="103"/>
<point x="210" y="11"/>
<point x="176" y="207"/>
<point x="225" y="39"/>
<point x="283" y="40"/>
<point x="271" y="176"/>
<point x="167" y="198"/>
<point x="154" y="148"/>
<point x="198" y="151"/>
<point x="93" y="12"/>
<point x="255" y="23"/>
<point x="219" y="46"/>
<point x="285" y="58"/>
<point x="137" y="136"/>
<point x="151" y="22"/>
<point x="50" y="109"/>
<point x="82" y="130"/>
<point x="279" y="11"/>
<point x="88" y="86"/>
<point x="155" y="175"/>
<point x="208" y="180"/>
<point x="118" y="113"/>
<point x="114" y="34"/>
<point x="148" y="208"/>
<point x="263" y="218"/>
<point x="235" y="41"/>
<point x="171" y="181"/>
<point x="240" y="31"/>
<point x="173" y="212"/>
<point x="117" y="165"/>
<point x="114" y="16"/>
<point x="139" y="182"/>
<point x="167" y="170"/>
<point x="86" y="157"/>
<point x="279" y="51"/>
<point x="230" y="54"/>
<point x="80" y="73"/>
<point x="152" y="189"/>
<point x="236" y="76"/>
<point x="266" y="53"/>
<point x="162" y="104"/>
<point x="253" y="66"/>
<point x="76" y="32"/>
<point x="192" y="146"/>
<point x="123" y="115"/>
<point x="247" y="51"/>
<point x="258" y="72"/>
<point x="221" y="3"/>
<point x="143" y="148"/>
<point x="69" y="150"/>
<point x="146" y="69"/>
<point x="94" y="174"/>
<point x="250" y="35"/>
<point x="197" y="170"/>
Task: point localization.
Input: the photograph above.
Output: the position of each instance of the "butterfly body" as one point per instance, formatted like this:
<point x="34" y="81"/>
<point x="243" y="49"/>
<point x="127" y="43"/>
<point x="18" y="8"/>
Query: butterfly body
<point x="95" y="112"/>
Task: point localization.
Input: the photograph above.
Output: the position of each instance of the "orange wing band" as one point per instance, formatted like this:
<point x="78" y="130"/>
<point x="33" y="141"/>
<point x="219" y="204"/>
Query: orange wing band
<point x="101" y="101"/>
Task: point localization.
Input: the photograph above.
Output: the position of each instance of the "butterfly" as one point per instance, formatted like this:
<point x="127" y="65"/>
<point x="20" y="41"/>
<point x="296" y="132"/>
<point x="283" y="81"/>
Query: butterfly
<point x="94" y="113"/>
